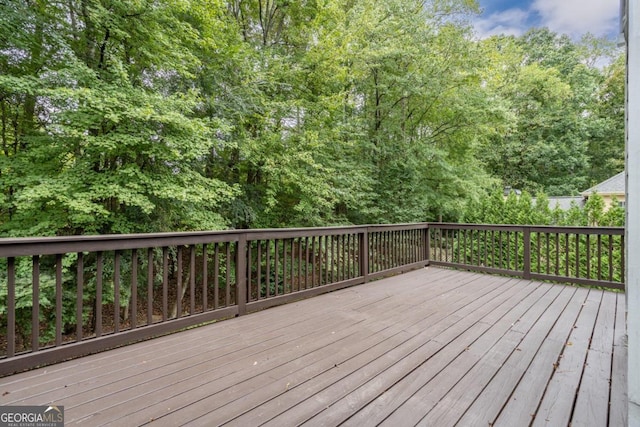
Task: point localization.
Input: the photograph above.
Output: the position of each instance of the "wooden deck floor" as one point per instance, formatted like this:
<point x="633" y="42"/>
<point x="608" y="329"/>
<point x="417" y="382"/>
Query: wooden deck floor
<point x="432" y="347"/>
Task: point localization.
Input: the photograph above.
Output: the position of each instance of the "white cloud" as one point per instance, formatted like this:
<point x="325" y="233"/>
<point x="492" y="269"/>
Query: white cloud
<point x="508" y="22"/>
<point x="577" y="17"/>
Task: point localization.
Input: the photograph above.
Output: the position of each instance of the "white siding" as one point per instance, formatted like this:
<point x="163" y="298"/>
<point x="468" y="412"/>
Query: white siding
<point x="633" y="208"/>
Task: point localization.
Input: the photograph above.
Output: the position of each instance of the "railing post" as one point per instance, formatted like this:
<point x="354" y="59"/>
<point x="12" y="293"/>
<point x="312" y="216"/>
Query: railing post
<point x="364" y="254"/>
<point x="241" y="274"/>
<point x="526" y="235"/>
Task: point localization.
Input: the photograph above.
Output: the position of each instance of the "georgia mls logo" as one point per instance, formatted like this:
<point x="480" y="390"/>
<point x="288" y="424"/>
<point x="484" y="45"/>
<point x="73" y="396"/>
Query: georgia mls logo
<point x="32" y="416"/>
<point x="56" y="410"/>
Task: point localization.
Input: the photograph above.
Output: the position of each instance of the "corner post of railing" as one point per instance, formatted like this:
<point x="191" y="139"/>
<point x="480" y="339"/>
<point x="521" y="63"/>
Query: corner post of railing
<point x="426" y="241"/>
<point x="364" y="254"/>
<point x="241" y="274"/>
<point x="526" y="235"/>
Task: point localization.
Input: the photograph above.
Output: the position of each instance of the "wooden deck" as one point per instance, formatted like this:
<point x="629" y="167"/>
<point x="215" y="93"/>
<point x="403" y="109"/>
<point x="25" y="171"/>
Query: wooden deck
<point x="432" y="347"/>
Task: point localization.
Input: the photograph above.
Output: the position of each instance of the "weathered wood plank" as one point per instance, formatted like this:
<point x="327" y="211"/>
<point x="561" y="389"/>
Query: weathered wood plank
<point x="389" y="401"/>
<point x="558" y="400"/>
<point x="473" y="385"/>
<point x="342" y="409"/>
<point x="523" y="375"/>
<point x="592" y="403"/>
<point x="423" y="401"/>
<point x="273" y="399"/>
<point x="168" y="394"/>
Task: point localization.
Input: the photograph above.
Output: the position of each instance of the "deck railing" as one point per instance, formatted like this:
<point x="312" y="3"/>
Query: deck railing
<point x="583" y="255"/>
<point x="64" y="297"/>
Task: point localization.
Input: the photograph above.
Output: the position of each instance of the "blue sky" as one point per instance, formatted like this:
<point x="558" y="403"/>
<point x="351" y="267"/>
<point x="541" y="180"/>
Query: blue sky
<point x="572" y="17"/>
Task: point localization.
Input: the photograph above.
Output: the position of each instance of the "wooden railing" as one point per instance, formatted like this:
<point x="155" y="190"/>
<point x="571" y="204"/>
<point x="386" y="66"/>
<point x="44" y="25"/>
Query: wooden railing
<point x="591" y="256"/>
<point x="64" y="297"/>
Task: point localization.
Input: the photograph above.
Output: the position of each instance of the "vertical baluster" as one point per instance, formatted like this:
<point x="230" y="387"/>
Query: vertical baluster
<point x="116" y="292"/>
<point x="192" y="280"/>
<point x="414" y="246"/>
<point x="133" y="302"/>
<point x="277" y="266"/>
<point x="493" y="248"/>
<point x="398" y="248"/>
<point x="516" y="250"/>
<point x="405" y="246"/>
<point x="577" y="254"/>
<point x="268" y="268"/>
<point x="313" y="262"/>
<point x="478" y="255"/>
<point x="165" y="283"/>
<point x="334" y="265"/>
<point x="539" y="257"/>
<point x="446" y="244"/>
<point x="179" y="283"/>
<point x="508" y="250"/>
<point x="205" y="277"/>
<point x="259" y="270"/>
<point x="373" y="266"/>
<point x="250" y="271"/>
<point x="389" y="255"/>
<point x="486" y="248"/>
<point x="11" y="307"/>
<point x="383" y="250"/>
<point x="79" y="295"/>
<point x="557" y="254"/>
<point x="599" y="252"/>
<point x="58" y="299"/>
<point x="98" y="307"/>
<point x="610" y="258"/>
<point x="548" y="260"/>
<point x="326" y="259"/>
<point x="588" y="257"/>
<point x="378" y="251"/>
<point x="216" y="275"/>
<point x="284" y="266"/>
<point x="566" y="254"/>
<point x="35" y="304"/>
<point x="499" y="264"/>
<point x="149" y="286"/>
<point x="306" y="262"/>
<point x="299" y="245"/>
<point x="293" y="266"/>
<point x="227" y="296"/>
<point x="622" y="266"/>
<point x="345" y="255"/>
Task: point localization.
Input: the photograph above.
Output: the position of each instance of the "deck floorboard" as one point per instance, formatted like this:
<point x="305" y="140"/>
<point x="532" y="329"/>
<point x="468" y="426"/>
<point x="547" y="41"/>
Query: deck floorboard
<point x="430" y="347"/>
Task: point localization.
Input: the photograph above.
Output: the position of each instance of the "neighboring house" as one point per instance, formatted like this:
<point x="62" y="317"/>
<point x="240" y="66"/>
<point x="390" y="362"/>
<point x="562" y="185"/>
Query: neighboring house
<point x="613" y="187"/>
<point x="565" y="202"/>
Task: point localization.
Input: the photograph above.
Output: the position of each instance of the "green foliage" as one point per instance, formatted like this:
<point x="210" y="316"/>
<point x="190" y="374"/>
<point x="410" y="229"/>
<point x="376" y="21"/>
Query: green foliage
<point x="122" y="116"/>
<point x="523" y="210"/>
<point x="568" y="254"/>
<point x="557" y="110"/>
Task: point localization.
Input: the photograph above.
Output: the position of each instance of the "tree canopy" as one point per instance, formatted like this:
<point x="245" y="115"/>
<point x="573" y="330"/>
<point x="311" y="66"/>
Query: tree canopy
<point x="155" y="115"/>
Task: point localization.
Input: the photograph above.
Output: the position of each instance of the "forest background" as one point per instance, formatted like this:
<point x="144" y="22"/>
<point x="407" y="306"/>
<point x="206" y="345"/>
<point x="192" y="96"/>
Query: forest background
<point x="121" y="116"/>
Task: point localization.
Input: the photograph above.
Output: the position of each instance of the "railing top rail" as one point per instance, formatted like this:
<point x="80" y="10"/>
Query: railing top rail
<point x="535" y="228"/>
